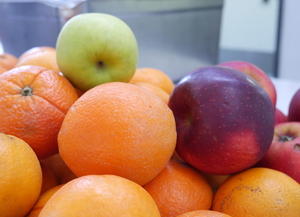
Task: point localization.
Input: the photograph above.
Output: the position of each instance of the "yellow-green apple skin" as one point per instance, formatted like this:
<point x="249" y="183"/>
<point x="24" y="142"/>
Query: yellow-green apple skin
<point x="96" y="48"/>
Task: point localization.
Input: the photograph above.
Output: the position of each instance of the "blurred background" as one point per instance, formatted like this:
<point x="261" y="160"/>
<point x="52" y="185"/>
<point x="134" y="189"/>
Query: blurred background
<point x="176" y="36"/>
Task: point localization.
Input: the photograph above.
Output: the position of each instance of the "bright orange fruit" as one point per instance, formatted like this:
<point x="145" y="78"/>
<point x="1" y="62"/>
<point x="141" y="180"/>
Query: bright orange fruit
<point x="155" y="77"/>
<point x="179" y="188"/>
<point x="33" y="103"/>
<point x="49" y="179"/>
<point x="258" y="192"/>
<point x="2" y="69"/>
<point x="21" y="176"/>
<point x="8" y="61"/>
<point x="42" y="200"/>
<point x="204" y="213"/>
<point x="118" y="128"/>
<point x="58" y="166"/>
<point x="101" y="196"/>
<point x="155" y="90"/>
<point x="44" y="56"/>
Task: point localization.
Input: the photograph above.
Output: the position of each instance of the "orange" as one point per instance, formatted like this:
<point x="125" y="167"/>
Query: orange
<point x="68" y="176"/>
<point x="33" y="103"/>
<point x="101" y="196"/>
<point x="21" y="176"/>
<point x="58" y="166"/>
<point x="79" y="92"/>
<point x="155" y="90"/>
<point x="214" y="180"/>
<point x="8" y="61"/>
<point x="2" y="69"/>
<point x="120" y="129"/>
<point x="154" y="76"/>
<point x="258" y="192"/>
<point x="42" y="200"/>
<point x="39" y="56"/>
<point x="179" y="188"/>
<point x="203" y="213"/>
<point x="49" y="179"/>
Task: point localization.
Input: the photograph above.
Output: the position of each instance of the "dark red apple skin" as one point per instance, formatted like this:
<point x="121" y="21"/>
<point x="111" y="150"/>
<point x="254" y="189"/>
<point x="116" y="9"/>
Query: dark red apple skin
<point x="280" y="117"/>
<point x="284" y="155"/>
<point x="294" y="107"/>
<point x="257" y="73"/>
<point x="224" y="120"/>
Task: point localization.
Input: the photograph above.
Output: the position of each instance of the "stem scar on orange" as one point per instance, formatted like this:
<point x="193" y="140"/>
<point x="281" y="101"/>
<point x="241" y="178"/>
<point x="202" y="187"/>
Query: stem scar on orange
<point x="33" y="103"/>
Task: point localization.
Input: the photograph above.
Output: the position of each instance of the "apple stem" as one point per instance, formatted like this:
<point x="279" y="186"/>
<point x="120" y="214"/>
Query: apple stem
<point x="286" y="138"/>
<point x="100" y="64"/>
<point x="27" y="91"/>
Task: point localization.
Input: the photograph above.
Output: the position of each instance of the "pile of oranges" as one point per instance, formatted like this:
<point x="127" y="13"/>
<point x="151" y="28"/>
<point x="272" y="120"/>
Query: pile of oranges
<point x="110" y="151"/>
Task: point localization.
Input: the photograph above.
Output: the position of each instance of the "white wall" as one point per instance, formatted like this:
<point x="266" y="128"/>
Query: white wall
<point x="290" y="41"/>
<point x="249" y="25"/>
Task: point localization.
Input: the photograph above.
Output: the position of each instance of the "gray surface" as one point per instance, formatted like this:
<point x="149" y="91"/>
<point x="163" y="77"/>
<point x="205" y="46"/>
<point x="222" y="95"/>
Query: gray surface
<point x="175" y="36"/>
<point x="265" y="61"/>
<point x="24" y="25"/>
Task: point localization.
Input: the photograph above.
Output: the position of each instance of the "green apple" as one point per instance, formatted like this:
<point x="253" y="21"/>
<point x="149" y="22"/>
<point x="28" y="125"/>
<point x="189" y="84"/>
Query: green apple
<point x="96" y="48"/>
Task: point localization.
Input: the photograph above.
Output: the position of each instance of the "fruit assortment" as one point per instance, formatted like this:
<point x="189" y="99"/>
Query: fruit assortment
<point x="84" y="132"/>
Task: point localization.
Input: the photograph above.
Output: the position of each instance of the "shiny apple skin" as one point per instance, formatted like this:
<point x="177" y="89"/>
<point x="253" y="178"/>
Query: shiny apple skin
<point x="294" y="107"/>
<point x="284" y="155"/>
<point x="257" y="73"/>
<point x="224" y="119"/>
<point x="280" y="117"/>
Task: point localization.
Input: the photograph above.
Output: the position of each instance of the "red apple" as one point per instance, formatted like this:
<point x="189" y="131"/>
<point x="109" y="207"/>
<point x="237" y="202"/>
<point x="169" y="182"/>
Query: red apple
<point x="284" y="153"/>
<point x="224" y="120"/>
<point x="280" y="117"/>
<point x="294" y="107"/>
<point x="255" y="72"/>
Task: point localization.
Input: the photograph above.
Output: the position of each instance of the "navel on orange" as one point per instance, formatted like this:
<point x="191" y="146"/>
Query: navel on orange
<point x="33" y="103"/>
